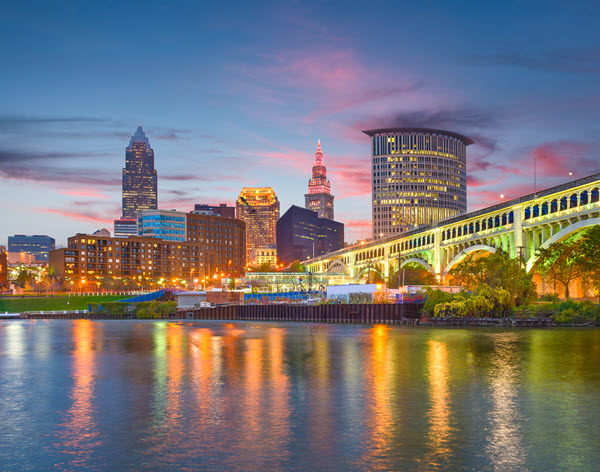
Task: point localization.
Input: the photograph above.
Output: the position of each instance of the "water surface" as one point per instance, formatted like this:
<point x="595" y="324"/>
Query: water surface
<point x="253" y="396"/>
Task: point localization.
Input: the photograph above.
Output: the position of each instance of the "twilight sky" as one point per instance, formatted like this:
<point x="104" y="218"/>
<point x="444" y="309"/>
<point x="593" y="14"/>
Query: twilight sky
<point x="235" y="94"/>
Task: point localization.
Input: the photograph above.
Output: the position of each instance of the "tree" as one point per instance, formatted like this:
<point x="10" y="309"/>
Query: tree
<point x="412" y="276"/>
<point x="497" y="271"/>
<point x="590" y="251"/>
<point x="562" y="262"/>
<point x="24" y="278"/>
<point x="265" y="267"/>
<point x="295" y="266"/>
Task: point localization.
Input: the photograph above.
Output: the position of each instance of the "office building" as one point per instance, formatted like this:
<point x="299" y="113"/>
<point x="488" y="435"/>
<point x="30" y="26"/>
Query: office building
<point x="419" y="176"/>
<point x="319" y="197"/>
<point x="164" y="224"/>
<point x="139" y="176"/>
<point x="219" y="210"/>
<point x="38" y="245"/>
<point x="259" y="209"/>
<point x="125" y="227"/>
<point x="302" y="234"/>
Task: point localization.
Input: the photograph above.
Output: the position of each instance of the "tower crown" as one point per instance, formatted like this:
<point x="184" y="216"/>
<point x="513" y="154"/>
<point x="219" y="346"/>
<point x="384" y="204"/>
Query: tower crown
<point x="319" y="196"/>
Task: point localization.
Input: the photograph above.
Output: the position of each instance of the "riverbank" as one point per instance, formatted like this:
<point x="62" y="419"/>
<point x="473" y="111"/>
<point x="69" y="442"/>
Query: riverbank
<point x="57" y="303"/>
<point x="221" y="315"/>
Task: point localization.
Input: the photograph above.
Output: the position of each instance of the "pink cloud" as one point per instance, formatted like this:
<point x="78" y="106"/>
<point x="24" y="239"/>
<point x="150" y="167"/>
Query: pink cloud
<point x="558" y="159"/>
<point x="87" y="217"/>
<point x="84" y="193"/>
<point x="327" y="81"/>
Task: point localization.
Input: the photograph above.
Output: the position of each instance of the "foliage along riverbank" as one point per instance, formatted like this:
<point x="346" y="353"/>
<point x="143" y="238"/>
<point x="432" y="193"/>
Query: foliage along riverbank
<point x="497" y="286"/>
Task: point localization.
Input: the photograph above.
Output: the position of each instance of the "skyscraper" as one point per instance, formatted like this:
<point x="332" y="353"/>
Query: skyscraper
<point x="319" y="197"/>
<point x="302" y="234"/>
<point x="419" y="176"/>
<point x="259" y="209"/>
<point x="139" y="176"/>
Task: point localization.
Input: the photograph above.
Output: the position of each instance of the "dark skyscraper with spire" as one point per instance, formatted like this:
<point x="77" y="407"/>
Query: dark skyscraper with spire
<point x="139" y="176"/>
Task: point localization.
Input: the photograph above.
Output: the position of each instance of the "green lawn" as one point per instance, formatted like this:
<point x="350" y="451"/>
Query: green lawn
<point x="19" y="305"/>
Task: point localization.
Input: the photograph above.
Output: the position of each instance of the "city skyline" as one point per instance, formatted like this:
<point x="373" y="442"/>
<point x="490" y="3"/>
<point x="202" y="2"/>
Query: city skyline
<point x="247" y="112"/>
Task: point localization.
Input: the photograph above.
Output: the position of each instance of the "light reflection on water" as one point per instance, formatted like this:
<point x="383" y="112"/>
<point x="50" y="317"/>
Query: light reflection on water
<point x="171" y="396"/>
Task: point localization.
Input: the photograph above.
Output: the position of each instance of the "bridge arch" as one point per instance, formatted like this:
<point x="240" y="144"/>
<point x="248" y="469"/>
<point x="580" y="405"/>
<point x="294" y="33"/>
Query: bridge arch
<point x="461" y="255"/>
<point x="563" y="233"/>
<point x="338" y="265"/>
<point x="364" y="270"/>
<point x="418" y="261"/>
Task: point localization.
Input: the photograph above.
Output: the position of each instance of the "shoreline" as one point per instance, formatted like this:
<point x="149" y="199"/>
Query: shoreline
<point x="506" y="322"/>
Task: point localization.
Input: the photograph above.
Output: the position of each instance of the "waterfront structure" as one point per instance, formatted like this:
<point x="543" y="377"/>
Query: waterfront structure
<point x="125" y="227"/>
<point x="38" y="245"/>
<point x="319" y="197"/>
<point x="302" y="234"/>
<point x="259" y="209"/>
<point x="520" y="227"/>
<point x="164" y="224"/>
<point x="139" y="176"/>
<point x="418" y="176"/>
<point x="220" y="210"/>
<point x="292" y="281"/>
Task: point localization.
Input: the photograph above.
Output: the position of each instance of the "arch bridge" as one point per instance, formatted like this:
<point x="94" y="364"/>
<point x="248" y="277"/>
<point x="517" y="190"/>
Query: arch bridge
<point x="520" y="227"/>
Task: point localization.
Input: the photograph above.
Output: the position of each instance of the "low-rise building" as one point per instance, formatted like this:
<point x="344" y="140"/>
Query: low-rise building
<point x="152" y="260"/>
<point x="260" y="256"/>
<point x="20" y="258"/>
<point x="218" y="210"/>
<point x="3" y="269"/>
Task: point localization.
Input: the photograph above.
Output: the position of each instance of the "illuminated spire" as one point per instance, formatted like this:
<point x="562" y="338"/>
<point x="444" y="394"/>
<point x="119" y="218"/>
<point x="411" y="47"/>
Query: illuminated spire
<point x="319" y="153"/>
<point x="319" y="197"/>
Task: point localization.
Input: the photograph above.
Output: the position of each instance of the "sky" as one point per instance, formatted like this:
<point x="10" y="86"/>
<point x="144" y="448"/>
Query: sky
<point x="234" y="94"/>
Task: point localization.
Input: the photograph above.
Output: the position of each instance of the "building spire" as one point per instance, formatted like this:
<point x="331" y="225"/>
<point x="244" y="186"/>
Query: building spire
<point x="319" y="153"/>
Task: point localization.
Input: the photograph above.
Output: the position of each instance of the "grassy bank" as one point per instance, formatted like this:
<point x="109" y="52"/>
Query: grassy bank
<point x="19" y="305"/>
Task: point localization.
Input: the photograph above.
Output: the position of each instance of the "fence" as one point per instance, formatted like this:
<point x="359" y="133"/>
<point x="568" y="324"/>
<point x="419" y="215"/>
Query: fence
<point x="335" y="313"/>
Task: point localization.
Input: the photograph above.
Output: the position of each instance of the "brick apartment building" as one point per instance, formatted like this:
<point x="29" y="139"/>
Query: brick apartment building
<point x="215" y="246"/>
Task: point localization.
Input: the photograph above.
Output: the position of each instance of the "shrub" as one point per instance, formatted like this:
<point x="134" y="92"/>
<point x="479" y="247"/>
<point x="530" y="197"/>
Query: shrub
<point x="360" y="297"/>
<point x="456" y="308"/>
<point x="550" y="297"/>
<point x="570" y="311"/>
<point x="434" y="298"/>
<point x="154" y="309"/>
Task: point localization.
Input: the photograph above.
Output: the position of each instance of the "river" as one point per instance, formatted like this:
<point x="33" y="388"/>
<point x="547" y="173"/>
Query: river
<point x="169" y="396"/>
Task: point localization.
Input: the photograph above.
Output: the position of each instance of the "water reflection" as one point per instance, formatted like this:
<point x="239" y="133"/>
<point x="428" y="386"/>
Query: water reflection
<point x="379" y="419"/>
<point x="505" y="447"/>
<point x="265" y="396"/>
<point x="440" y="407"/>
<point x="79" y="435"/>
